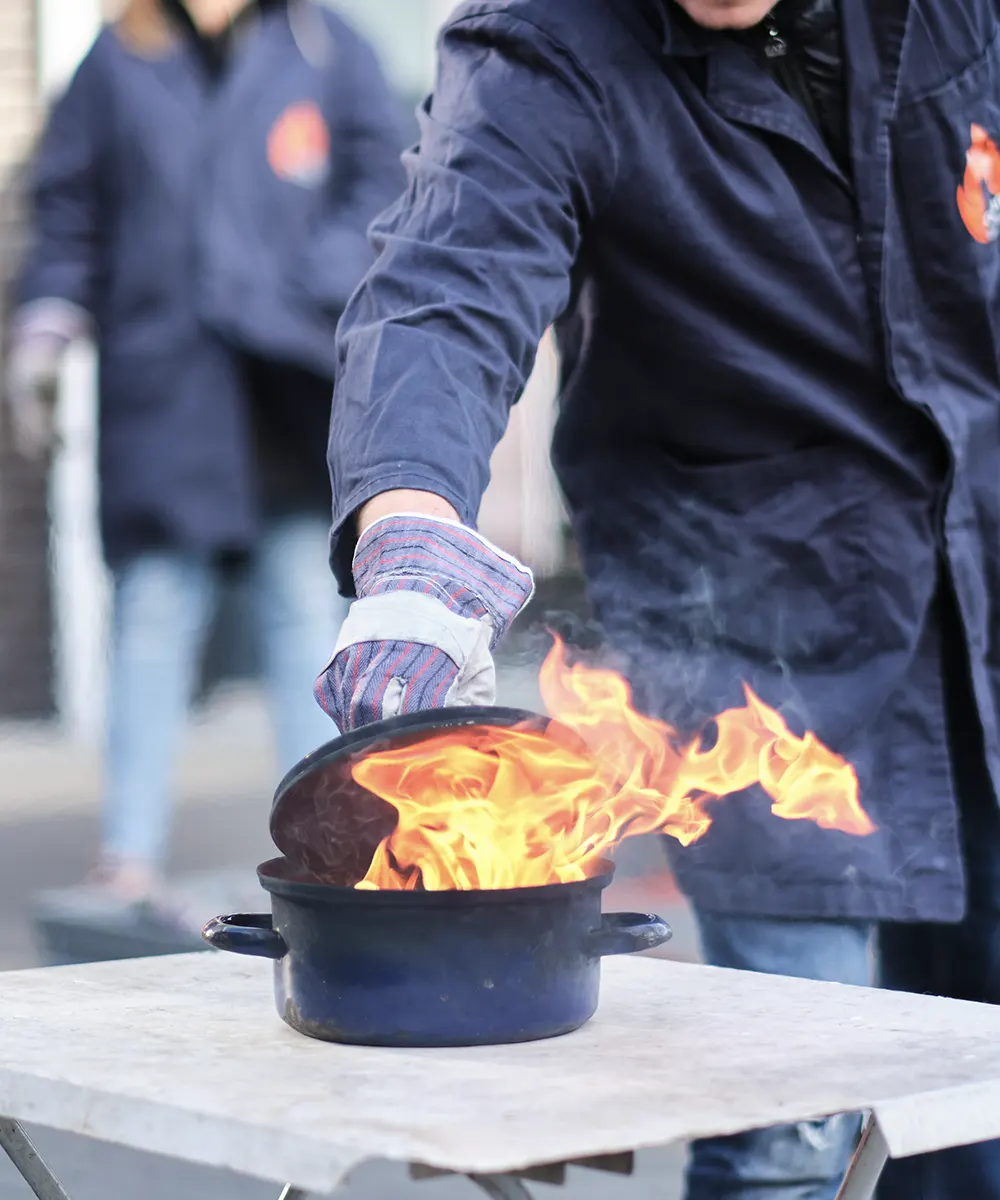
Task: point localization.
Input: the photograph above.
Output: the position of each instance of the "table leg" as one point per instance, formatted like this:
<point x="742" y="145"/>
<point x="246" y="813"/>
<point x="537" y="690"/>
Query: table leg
<point x="18" y="1148"/>
<point x="293" y="1193"/>
<point x="501" y="1187"/>
<point x="867" y="1165"/>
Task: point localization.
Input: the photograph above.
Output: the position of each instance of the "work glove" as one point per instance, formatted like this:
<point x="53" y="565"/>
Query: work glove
<point x="31" y="384"/>
<point x="434" y="599"/>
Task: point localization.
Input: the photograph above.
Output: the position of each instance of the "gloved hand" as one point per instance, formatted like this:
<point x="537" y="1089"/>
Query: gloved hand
<point x="32" y="379"/>
<point x="434" y="599"/>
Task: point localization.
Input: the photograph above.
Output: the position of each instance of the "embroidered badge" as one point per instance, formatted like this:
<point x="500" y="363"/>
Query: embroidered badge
<point x="979" y="195"/>
<point x="298" y="146"/>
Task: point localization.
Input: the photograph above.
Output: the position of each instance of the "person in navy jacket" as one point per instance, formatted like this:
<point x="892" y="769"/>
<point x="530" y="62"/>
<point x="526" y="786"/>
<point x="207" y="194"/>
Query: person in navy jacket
<point x="768" y="235"/>
<point x="201" y="198"/>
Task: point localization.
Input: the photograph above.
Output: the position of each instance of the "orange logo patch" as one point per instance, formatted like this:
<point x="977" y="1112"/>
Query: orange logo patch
<point x="298" y="146"/>
<point x="979" y="195"/>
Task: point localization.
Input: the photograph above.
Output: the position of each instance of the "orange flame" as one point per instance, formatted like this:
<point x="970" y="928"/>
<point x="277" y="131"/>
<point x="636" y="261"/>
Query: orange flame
<point x="504" y="808"/>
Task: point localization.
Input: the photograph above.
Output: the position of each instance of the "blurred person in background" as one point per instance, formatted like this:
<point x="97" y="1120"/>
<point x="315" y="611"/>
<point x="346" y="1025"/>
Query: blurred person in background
<point x="768" y="236"/>
<point x="200" y="204"/>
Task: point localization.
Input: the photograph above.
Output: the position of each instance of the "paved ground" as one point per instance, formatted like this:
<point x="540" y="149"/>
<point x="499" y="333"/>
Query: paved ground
<point x="48" y="837"/>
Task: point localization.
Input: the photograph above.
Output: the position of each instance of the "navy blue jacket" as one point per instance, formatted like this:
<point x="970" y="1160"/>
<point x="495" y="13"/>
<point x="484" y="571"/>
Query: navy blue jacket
<point x="780" y="428"/>
<point x="200" y="221"/>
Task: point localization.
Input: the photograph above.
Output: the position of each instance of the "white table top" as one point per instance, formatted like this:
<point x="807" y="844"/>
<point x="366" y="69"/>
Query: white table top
<point x="186" y="1056"/>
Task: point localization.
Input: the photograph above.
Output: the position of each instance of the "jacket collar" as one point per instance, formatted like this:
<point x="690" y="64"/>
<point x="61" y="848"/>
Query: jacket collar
<point x="680" y="37"/>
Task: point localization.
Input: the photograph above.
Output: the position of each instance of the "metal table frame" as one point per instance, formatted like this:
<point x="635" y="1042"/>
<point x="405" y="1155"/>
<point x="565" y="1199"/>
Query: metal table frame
<point x="859" y="1183"/>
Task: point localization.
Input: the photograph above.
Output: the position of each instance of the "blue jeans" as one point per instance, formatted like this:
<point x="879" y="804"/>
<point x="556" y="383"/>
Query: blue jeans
<point x="807" y="1161"/>
<point x="163" y="605"/>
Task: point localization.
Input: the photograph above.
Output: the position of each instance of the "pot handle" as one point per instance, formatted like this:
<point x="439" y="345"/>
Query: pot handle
<point x="246" y="933"/>
<point x="627" y="933"/>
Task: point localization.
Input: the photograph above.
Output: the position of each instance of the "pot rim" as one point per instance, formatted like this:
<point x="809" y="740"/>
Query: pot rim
<point x="294" y="889"/>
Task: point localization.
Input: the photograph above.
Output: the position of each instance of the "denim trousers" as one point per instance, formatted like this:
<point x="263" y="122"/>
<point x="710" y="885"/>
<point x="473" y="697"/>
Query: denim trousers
<point x="164" y="602"/>
<point x="807" y="1161"/>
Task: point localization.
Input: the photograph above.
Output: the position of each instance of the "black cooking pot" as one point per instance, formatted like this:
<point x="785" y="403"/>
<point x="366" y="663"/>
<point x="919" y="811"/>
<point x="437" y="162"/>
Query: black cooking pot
<point x="454" y="968"/>
<point x="417" y="968"/>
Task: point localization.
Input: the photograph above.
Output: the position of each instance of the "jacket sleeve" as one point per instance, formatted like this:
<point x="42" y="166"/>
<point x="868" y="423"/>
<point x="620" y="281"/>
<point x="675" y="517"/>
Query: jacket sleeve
<point x="473" y="265"/>
<point x="367" y="175"/>
<point x="63" y="258"/>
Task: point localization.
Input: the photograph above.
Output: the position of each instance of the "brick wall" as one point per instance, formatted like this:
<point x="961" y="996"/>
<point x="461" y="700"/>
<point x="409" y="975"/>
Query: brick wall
<point x="25" y="611"/>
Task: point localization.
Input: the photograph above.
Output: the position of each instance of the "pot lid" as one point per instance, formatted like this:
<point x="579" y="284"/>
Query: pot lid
<point x="328" y="825"/>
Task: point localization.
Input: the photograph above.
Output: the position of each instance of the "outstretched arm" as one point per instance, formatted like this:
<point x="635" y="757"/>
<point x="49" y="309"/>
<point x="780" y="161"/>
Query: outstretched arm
<point x="473" y="265"/>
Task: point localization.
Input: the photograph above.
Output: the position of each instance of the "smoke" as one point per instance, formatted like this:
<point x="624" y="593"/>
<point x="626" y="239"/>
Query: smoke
<point x="687" y="627"/>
